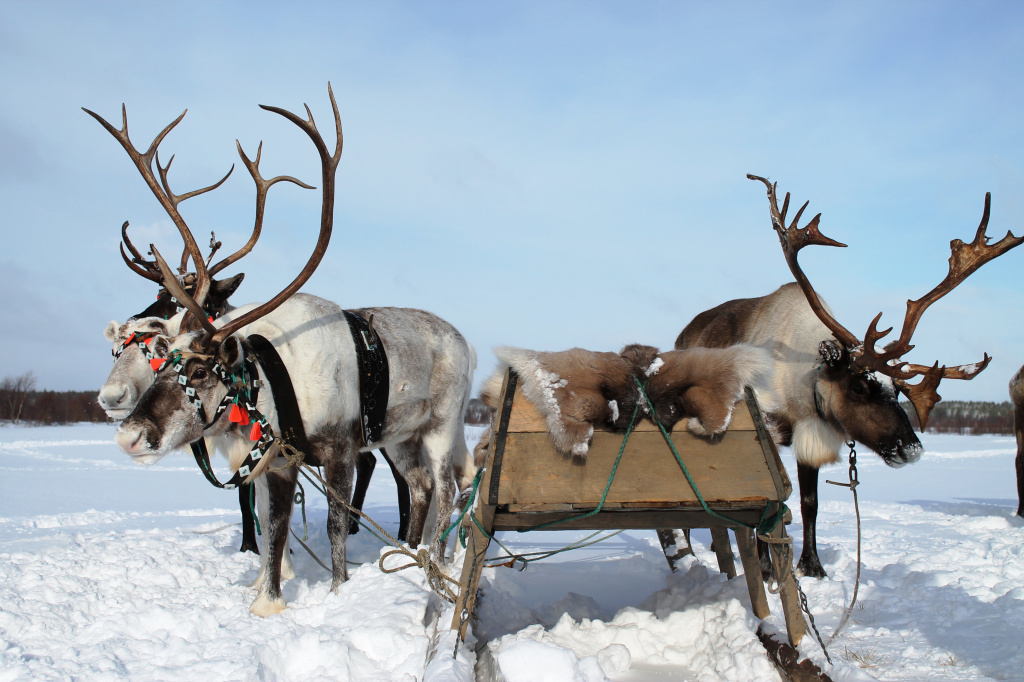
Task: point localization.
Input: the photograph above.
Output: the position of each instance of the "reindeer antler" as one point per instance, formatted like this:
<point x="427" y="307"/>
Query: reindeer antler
<point x="793" y="239"/>
<point x="161" y="190"/>
<point x="329" y="166"/>
<point x="963" y="261"/>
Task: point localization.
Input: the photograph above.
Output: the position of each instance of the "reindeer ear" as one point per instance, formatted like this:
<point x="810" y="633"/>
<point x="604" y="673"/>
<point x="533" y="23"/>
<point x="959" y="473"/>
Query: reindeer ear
<point x="222" y="289"/>
<point x="831" y="352"/>
<point x="111" y="333"/>
<point x="160" y="345"/>
<point x="229" y="353"/>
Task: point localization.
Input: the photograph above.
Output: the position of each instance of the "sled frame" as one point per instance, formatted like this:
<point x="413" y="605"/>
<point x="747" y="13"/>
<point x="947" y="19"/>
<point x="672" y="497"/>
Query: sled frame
<point x="526" y="483"/>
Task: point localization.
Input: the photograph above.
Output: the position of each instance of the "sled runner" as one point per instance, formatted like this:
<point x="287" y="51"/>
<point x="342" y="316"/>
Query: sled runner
<point x="526" y="484"/>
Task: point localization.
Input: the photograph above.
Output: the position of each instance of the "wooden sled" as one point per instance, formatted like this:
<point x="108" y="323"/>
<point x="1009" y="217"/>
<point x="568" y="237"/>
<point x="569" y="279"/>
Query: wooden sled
<point x="526" y="484"/>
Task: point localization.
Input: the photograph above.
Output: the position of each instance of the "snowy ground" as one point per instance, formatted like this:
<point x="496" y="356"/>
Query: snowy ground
<point x="110" y="570"/>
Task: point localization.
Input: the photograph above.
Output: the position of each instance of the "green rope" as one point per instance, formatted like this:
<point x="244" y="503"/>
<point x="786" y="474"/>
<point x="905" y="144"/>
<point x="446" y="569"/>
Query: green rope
<point x="764" y="527"/>
<point x="611" y="476"/>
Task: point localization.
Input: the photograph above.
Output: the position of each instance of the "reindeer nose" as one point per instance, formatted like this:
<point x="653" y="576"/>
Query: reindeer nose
<point x="132" y="439"/>
<point x="109" y="399"/>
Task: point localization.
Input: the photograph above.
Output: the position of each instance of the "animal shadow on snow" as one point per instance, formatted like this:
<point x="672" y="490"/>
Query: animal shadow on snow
<point x="973" y="506"/>
<point x="974" y="632"/>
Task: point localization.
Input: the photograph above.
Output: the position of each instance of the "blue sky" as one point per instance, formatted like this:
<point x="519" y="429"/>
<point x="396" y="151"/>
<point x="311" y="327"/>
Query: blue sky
<point x="541" y="174"/>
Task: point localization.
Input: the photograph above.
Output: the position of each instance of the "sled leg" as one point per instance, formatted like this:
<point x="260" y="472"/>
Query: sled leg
<point x="675" y="544"/>
<point x="752" y="572"/>
<point x="723" y="550"/>
<point x="781" y="555"/>
<point x="472" y="567"/>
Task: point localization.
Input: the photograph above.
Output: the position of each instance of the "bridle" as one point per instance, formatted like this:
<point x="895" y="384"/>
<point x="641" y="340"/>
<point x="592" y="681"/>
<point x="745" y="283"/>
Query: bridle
<point x="240" y="399"/>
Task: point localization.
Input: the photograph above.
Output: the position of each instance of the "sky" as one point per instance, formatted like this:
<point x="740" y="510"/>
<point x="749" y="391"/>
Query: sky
<point x="540" y="174"/>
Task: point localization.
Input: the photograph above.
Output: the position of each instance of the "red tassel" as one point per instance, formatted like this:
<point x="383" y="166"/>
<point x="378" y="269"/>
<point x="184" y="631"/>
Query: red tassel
<point x="244" y="418"/>
<point x="236" y="414"/>
<point x="210" y="318"/>
<point x="157" y="363"/>
<point x="129" y="340"/>
<point x="256" y="432"/>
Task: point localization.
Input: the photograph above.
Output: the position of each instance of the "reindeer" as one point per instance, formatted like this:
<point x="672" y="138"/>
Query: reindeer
<point x="828" y="386"/>
<point x="429" y="382"/>
<point x="135" y="363"/>
<point x="1017" y="396"/>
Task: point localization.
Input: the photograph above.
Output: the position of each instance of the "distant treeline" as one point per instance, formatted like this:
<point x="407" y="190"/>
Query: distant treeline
<point x="968" y="417"/>
<point x="20" y="402"/>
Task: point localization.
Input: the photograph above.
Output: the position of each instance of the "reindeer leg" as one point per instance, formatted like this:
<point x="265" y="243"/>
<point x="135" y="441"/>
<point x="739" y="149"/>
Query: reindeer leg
<point x="281" y="493"/>
<point x="443" y="473"/>
<point x="365" y="463"/>
<point x="809" y="564"/>
<point x="403" y="498"/>
<point x="339" y="462"/>
<point x="248" y="523"/>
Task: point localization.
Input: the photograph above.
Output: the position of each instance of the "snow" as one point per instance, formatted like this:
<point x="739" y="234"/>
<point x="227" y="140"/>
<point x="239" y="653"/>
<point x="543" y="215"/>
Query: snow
<point x="109" y="570"/>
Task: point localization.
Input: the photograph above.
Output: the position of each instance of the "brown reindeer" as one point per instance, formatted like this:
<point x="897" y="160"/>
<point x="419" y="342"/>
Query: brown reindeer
<point x="1017" y="396"/>
<point x="828" y="386"/>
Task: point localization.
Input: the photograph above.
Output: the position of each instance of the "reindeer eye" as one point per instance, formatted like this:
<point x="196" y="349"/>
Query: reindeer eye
<point x="859" y="388"/>
<point x="199" y="374"/>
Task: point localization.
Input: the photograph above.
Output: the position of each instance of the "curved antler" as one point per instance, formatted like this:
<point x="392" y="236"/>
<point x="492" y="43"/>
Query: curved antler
<point x="161" y="190"/>
<point x="189" y="303"/>
<point x="793" y="239"/>
<point x="138" y="264"/>
<point x="964" y="260"/>
<point x="262" y="187"/>
<point x="329" y="166"/>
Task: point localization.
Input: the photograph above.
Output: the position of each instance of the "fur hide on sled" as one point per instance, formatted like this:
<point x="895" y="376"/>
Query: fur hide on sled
<point x="577" y="389"/>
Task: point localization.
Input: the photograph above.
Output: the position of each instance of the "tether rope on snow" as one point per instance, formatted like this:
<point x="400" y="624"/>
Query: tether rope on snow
<point x="436" y="577"/>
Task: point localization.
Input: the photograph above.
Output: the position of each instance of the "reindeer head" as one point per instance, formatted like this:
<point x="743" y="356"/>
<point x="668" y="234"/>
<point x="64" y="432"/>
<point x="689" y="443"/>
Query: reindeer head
<point x="854" y="375"/>
<point x="132" y="372"/>
<point x="204" y="365"/>
<point x="137" y="357"/>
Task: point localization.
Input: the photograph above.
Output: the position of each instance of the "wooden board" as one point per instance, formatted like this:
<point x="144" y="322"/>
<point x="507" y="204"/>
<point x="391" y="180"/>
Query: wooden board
<point x="730" y="470"/>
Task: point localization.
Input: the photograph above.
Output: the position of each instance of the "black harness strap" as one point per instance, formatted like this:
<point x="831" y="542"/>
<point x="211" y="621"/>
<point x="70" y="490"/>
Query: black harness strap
<point x="202" y="453"/>
<point x="288" y="417"/>
<point x="374" y="378"/>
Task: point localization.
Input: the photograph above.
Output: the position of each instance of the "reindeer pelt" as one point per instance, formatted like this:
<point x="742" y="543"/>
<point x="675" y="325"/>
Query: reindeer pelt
<point x="702" y="385"/>
<point x="577" y="389"/>
<point x="573" y="389"/>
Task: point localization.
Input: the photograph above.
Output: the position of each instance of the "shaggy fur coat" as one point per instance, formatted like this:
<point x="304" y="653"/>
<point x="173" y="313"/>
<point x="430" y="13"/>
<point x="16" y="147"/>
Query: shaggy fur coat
<point x="576" y="390"/>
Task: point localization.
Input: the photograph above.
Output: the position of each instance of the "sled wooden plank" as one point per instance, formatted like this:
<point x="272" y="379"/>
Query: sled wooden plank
<point x="633" y="519"/>
<point x="533" y="471"/>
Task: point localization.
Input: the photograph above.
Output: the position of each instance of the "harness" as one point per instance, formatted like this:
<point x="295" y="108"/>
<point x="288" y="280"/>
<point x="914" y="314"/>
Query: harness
<point x="243" y="392"/>
<point x="372" y="362"/>
<point x="141" y="339"/>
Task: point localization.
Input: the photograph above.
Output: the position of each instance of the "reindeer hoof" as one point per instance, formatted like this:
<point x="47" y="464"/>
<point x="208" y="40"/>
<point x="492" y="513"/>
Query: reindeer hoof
<point x="264" y="606"/>
<point x="810" y="568"/>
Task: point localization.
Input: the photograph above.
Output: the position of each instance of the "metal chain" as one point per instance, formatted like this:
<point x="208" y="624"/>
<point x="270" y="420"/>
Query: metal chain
<point x="810" y="616"/>
<point x="852" y="485"/>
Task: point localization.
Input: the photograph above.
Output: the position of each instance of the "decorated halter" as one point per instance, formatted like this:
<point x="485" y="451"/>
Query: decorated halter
<point x="240" y="402"/>
<point x="141" y="339"/>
